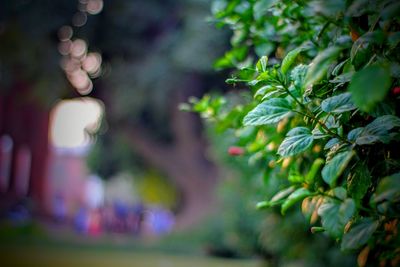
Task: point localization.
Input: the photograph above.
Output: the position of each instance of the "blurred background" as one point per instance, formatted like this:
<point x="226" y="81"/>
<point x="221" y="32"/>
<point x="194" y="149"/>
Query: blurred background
<point x="99" y="167"/>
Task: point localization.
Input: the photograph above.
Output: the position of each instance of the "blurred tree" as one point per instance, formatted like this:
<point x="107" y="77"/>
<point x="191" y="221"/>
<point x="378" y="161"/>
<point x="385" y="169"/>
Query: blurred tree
<point x="155" y="54"/>
<point x="152" y="65"/>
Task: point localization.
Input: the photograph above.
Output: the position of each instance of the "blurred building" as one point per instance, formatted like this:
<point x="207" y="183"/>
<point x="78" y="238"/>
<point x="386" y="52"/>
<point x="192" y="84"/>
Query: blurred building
<point x="24" y="146"/>
<point x="42" y="152"/>
<point x="69" y="185"/>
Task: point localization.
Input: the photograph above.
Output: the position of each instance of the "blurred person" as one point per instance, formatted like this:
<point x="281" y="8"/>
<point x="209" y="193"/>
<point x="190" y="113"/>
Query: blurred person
<point x="81" y="220"/>
<point x="59" y="208"/>
<point x="160" y="221"/>
<point x="94" y="223"/>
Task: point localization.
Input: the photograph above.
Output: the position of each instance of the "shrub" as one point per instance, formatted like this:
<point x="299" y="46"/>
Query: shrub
<point x="316" y="101"/>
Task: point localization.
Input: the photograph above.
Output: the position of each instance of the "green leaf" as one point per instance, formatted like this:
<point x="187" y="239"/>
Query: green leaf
<point x="360" y="52"/>
<point x="275" y="93"/>
<point x="379" y="130"/>
<point x="268" y="91"/>
<point x="357" y="8"/>
<point x="295" y="197"/>
<point x="386" y="123"/>
<point x="359" y="181"/>
<point x="335" y="215"/>
<point x="343" y="78"/>
<point x="331" y="143"/>
<point x="370" y="86"/>
<point x="359" y="234"/>
<point x="309" y="207"/>
<point x="298" y="74"/>
<point x="318" y="133"/>
<point x="231" y="58"/>
<point x="330" y="122"/>
<point x="339" y="67"/>
<point x="320" y="65"/>
<point x="294" y="175"/>
<point x="262" y="64"/>
<point x="338" y="104"/>
<point x="394" y="39"/>
<point x="388" y="189"/>
<point x="335" y="167"/>
<point x="289" y="59"/>
<point x="329" y="8"/>
<point x="234" y="80"/>
<point x="264" y="48"/>
<point x="185" y="107"/>
<point x="218" y="6"/>
<point x="263" y="205"/>
<point x="383" y="108"/>
<point x="263" y="90"/>
<point x="315" y="167"/>
<point x="297" y="140"/>
<point x="317" y="229"/>
<point x="268" y="112"/>
<point x="354" y="134"/>
<point x="340" y="192"/>
<point x="276" y="199"/>
<point x="282" y="194"/>
<point x="391" y="10"/>
<point x="260" y="8"/>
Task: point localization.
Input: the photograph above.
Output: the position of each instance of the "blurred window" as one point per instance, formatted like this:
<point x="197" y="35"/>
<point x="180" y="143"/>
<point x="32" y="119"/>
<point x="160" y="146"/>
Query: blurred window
<point x="74" y="122"/>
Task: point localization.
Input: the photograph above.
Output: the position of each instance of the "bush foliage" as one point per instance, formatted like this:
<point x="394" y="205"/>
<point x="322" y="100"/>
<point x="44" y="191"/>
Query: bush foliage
<point x="316" y="108"/>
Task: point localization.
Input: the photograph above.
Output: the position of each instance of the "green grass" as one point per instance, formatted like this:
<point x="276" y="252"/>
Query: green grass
<point x="45" y="256"/>
<point x="32" y="246"/>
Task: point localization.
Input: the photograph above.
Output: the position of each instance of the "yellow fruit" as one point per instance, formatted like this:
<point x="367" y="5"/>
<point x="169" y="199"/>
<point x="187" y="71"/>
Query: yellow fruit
<point x="286" y="162"/>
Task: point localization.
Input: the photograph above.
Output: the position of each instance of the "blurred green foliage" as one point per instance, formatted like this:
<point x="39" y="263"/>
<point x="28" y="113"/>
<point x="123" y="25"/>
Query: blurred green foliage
<point x="28" y="47"/>
<point x="243" y="231"/>
<point x="152" y="49"/>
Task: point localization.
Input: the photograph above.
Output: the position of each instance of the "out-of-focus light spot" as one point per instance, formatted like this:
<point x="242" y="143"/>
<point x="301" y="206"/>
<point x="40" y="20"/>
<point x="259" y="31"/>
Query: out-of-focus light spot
<point x="78" y="48"/>
<point x="94" y="6"/>
<point x="72" y="121"/>
<point x="92" y="63"/>
<point x="70" y="65"/>
<point x="65" y="33"/>
<point x="80" y="80"/>
<point x="64" y="47"/>
<point x="77" y="78"/>
<point x="96" y="74"/>
<point x="87" y="89"/>
<point x="79" y="19"/>
<point x="82" y="6"/>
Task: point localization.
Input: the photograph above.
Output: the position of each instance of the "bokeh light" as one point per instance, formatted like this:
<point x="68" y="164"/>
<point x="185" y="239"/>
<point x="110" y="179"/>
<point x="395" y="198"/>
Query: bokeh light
<point x="79" y="19"/>
<point x="92" y="64"/>
<point x="73" y="121"/>
<point x="79" y="48"/>
<point x="94" y="6"/>
<point x="65" y="33"/>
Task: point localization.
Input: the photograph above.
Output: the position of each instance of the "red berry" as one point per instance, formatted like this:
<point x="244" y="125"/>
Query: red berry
<point x="235" y="151"/>
<point x="396" y="90"/>
<point x="354" y="35"/>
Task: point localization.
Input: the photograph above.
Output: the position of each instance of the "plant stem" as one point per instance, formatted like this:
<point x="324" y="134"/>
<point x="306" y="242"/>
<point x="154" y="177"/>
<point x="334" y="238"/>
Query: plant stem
<point x="310" y="115"/>
<point x="294" y="98"/>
